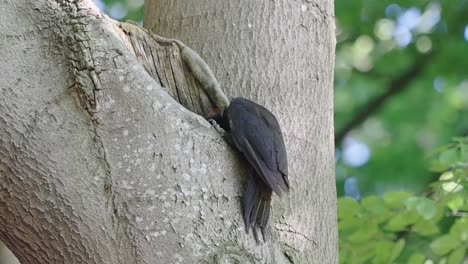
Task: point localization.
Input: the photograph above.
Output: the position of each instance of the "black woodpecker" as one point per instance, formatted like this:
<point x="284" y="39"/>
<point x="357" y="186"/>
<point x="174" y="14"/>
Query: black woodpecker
<point x="257" y="134"/>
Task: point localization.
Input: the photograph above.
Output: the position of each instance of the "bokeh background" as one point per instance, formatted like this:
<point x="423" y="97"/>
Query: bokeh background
<point x="401" y="105"/>
<point x="401" y="90"/>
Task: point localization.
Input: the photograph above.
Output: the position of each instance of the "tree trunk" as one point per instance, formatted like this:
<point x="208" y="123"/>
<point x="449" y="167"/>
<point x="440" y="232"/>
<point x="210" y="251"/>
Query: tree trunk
<point x="99" y="164"/>
<point x="6" y="257"/>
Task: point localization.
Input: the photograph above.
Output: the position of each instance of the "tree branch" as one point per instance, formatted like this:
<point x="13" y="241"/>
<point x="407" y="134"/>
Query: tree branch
<point x="395" y="87"/>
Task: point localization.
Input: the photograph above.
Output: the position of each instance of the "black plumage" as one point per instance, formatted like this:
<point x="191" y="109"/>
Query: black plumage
<point x="257" y="134"/>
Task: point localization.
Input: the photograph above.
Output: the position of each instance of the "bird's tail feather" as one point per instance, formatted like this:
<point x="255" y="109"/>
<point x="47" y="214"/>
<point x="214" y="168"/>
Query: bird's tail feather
<point x="257" y="202"/>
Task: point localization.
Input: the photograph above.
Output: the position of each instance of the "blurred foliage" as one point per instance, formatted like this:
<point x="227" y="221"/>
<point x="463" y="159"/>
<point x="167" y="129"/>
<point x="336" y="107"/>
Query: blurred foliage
<point x="377" y="45"/>
<point x="400" y="227"/>
<point x="401" y="90"/>
<point x="122" y="10"/>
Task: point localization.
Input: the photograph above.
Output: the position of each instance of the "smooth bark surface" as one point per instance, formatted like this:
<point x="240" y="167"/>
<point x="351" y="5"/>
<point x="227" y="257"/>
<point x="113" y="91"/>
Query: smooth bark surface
<point x="6" y="257"/>
<point x="98" y="164"/>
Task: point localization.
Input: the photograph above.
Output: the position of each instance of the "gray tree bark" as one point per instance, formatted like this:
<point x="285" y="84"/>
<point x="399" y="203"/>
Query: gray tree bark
<point x="99" y="164"/>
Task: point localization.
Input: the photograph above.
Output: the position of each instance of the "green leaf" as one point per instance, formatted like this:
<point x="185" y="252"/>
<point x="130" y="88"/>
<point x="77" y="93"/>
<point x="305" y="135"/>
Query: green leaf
<point x="374" y="204"/>
<point x="396" y="251"/>
<point x="401" y="221"/>
<point x="456" y="203"/>
<point x="446" y="176"/>
<point x="364" y="256"/>
<point x="457" y="256"/>
<point x="365" y="233"/>
<point x="437" y="166"/>
<point x="396" y="199"/>
<point x="448" y="158"/>
<point x="412" y="202"/>
<point x="347" y="207"/>
<point x="356" y="253"/>
<point x="376" y="208"/>
<point x="397" y="223"/>
<point x="383" y="251"/>
<point x="349" y="223"/>
<point x="425" y="228"/>
<point x="449" y="181"/>
<point x="440" y="212"/>
<point x="426" y="208"/>
<point x="444" y="244"/>
<point x="440" y="149"/>
<point x="416" y="258"/>
<point x="459" y="229"/>
<point x="452" y="187"/>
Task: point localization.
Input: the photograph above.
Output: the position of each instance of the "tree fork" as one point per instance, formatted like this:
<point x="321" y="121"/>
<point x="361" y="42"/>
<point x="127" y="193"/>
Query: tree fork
<point x="99" y="164"/>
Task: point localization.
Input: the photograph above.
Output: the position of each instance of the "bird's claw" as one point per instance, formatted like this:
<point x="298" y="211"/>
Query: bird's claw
<point x="216" y="126"/>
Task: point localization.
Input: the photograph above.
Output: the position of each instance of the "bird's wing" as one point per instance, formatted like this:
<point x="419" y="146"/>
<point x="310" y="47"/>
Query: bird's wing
<point x="280" y="148"/>
<point x="255" y="138"/>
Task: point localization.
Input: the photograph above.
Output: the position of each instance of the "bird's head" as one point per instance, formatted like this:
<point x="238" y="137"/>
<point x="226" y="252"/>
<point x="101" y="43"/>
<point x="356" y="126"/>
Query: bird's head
<point x="219" y="115"/>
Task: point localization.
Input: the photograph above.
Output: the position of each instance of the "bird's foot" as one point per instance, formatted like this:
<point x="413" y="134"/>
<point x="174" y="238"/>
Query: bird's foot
<point x="216" y="126"/>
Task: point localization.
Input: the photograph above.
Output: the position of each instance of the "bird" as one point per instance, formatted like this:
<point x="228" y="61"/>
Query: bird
<point x="256" y="133"/>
